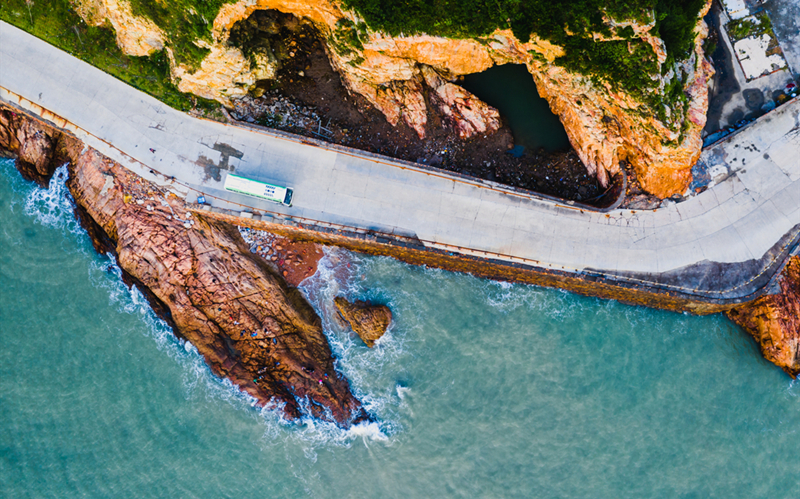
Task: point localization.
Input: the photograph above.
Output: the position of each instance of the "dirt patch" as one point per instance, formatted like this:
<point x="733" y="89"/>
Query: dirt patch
<point x="294" y="260"/>
<point x="308" y="98"/>
<point x="635" y="197"/>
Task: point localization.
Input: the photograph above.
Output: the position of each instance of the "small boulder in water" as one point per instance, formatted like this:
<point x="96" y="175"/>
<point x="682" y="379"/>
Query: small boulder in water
<point x="369" y="322"/>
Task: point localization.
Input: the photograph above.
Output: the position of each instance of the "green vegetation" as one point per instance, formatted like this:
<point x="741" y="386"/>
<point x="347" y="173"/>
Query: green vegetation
<point x="57" y="23"/>
<point x="625" y="64"/>
<point x="672" y="95"/>
<point x="183" y="21"/>
<point x="569" y="23"/>
<point x="348" y="37"/>
<point x="675" y="22"/>
<point x="749" y="26"/>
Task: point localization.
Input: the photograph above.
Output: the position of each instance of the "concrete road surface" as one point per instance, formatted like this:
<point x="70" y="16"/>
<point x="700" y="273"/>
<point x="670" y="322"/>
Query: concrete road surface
<point x="718" y="243"/>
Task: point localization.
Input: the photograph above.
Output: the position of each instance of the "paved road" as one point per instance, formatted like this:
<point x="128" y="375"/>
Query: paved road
<point x="686" y="246"/>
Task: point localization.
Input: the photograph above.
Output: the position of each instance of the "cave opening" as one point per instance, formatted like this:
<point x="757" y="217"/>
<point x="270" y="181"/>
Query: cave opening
<point x="511" y="90"/>
<point x="307" y="97"/>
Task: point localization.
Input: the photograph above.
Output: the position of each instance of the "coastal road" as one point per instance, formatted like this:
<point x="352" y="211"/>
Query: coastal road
<point x="717" y="244"/>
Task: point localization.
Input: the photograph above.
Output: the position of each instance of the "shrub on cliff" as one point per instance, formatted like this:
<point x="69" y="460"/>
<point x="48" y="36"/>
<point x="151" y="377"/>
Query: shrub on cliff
<point x="567" y="23"/>
<point x="56" y="22"/>
<point x="184" y="22"/>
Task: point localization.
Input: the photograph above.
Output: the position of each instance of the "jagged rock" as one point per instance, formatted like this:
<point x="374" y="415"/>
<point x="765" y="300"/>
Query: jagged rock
<point x="774" y="320"/>
<point x="468" y="115"/>
<point x="246" y="322"/>
<point x="369" y="322"/>
<point x="39" y="149"/>
<point x="199" y="274"/>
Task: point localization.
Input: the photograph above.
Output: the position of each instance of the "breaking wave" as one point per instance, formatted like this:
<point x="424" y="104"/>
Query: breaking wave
<point x="54" y="206"/>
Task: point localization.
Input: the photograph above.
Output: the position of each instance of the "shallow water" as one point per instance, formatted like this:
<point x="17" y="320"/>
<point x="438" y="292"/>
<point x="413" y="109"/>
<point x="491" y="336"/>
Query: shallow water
<point x="512" y="91"/>
<point x="481" y="389"/>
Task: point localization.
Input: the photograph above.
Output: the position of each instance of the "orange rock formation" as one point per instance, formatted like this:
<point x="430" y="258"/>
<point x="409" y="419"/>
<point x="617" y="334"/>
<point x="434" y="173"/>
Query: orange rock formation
<point x="249" y="326"/>
<point x="774" y="320"/>
<point x="369" y="322"/>
<point x="604" y="126"/>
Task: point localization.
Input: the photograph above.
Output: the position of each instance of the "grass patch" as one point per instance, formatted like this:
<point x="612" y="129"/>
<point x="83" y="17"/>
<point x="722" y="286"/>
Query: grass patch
<point x="756" y="25"/>
<point x="183" y="21"/>
<point x="56" y="22"/>
<point x="566" y="23"/>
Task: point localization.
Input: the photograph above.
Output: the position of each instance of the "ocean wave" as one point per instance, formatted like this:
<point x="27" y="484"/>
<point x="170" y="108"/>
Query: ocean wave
<point x="54" y="206"/>
<point x="370" y="370"/>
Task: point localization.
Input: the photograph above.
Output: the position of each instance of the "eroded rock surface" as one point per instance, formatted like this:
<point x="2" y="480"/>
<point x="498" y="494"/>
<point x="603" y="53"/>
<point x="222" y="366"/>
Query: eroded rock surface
<point x="774" y="320"/>
<point x="38" y="148"/>
<point x="369" y="322"/>
<point x="199" y="275"/>
<point x="246" y="322"/>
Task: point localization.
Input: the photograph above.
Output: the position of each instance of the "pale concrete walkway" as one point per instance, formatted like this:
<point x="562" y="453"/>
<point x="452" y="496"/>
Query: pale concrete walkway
<point x="684" y="247"/>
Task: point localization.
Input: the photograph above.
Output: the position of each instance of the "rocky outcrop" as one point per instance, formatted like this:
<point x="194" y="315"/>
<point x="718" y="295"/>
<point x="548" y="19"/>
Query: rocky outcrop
<point x="605" y="125"/>
<point x="369" y="322"/>
<point x="38" y="148"/>
<point x="467" y="114"/>
<point x="774" y="320"/>
<point x="136" y="35"/>
<point x="199" y="274"/>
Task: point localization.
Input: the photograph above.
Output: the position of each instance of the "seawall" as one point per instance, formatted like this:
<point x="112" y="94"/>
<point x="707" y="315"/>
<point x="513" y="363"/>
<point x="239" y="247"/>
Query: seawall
<point x="627" y="289"/>
<point x="766" y="281"/>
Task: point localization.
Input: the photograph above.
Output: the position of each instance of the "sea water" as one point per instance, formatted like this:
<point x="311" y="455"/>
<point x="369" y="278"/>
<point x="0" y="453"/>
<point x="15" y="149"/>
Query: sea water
<point x="479" y="389"/>
<point x="511" y="90"/>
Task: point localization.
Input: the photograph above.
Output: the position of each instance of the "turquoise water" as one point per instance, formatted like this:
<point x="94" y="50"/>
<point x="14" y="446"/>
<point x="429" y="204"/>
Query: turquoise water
<point x="481" y="389"/>
<point x="512" y="91"/>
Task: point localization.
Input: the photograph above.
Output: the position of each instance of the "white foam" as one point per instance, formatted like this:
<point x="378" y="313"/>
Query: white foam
<point x="367" y="431"/>
<point x="402" y="391"/>
<point x="54" y="206"/>
<point x="362" y="366"/>
<point x="198" y="380"/>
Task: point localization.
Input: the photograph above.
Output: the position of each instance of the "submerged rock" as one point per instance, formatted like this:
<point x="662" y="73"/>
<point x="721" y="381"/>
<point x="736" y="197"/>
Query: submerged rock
<point x="774" y="320"/>
<point x="369" y="322"/>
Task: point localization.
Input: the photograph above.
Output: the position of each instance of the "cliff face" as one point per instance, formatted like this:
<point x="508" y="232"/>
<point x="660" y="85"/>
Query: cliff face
<point x="774" y="321"/>
<point x="240" y="315"/>
<point x="136" y="35"/>
<point x="38" y="149"/>
<point x="661" y="140"/>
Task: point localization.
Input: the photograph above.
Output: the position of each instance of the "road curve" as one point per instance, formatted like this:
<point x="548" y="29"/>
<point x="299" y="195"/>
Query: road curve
<point x="721" y="244"/>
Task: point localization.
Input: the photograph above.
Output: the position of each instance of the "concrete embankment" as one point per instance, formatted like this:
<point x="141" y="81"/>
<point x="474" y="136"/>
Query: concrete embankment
<point x="39" y="144"/>
<point x="709" y="253"/>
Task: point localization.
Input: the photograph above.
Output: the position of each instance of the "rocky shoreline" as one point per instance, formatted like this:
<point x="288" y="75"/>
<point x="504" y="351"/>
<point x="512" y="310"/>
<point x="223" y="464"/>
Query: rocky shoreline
<point x="200" y="276"/>
<point x="774" y="320"/>
<point x="230" y="298"/>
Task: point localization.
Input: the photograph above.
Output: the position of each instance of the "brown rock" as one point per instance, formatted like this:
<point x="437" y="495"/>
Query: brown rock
<point x="774" y="320"/>
<point x="467" y="114"/>
<point x="38" y="148"/>
<point x="369" y="322"/>
<point x="199" y="275"/>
